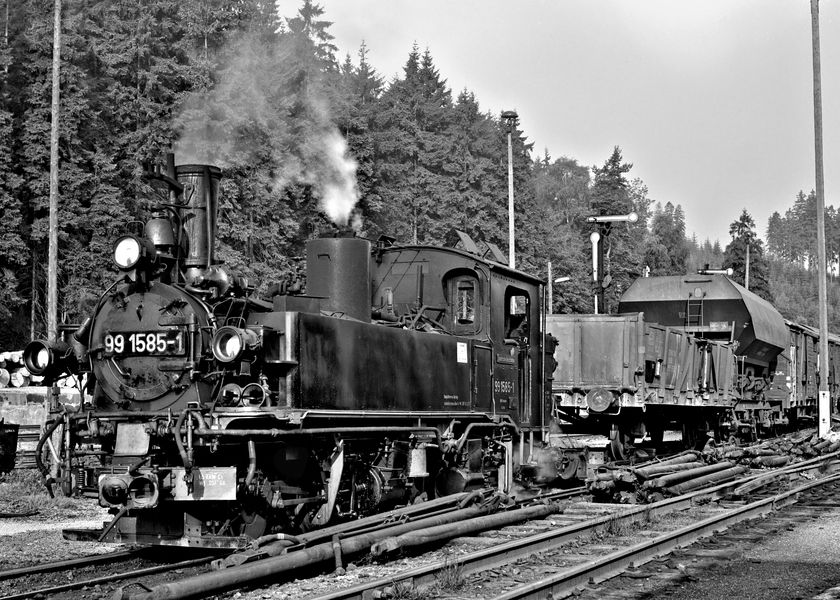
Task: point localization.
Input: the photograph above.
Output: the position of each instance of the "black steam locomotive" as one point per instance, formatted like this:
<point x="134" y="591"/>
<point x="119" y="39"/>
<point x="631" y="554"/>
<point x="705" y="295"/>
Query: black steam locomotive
<point x="215" y="415"/>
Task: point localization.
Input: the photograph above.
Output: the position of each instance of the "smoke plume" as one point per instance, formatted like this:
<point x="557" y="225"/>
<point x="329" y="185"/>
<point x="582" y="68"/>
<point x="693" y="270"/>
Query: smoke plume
<point x="338" y="190"/>
<point x="269" y="113"/>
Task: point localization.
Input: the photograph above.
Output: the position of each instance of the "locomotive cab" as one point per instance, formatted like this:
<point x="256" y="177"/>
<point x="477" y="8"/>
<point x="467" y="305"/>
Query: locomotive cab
<point x="496" y="309"/>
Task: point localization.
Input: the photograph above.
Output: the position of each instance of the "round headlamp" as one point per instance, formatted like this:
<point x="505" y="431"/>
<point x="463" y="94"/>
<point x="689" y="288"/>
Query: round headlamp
<point x="127" y="252"/>
<point x="113" y="490"/>
<point x="38" y="358"/>
<point x="229" y="343"/>
<point x="41" y="357"/>
<point x="143" y="492"/>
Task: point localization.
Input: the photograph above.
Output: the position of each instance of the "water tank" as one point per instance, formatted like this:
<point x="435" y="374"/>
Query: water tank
<point x="338" y="270"/>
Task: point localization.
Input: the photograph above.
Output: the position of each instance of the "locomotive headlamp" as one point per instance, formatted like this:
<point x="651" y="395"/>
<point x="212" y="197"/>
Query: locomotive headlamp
<point x="49" y="359"/>
<point x="231" y="343"/>
<point x="598" y="400"/>
<point x="42" y="359"/>
<point x="113" y="490"/>
<point x="129" y="251"/>
<point x="143" y="492"/>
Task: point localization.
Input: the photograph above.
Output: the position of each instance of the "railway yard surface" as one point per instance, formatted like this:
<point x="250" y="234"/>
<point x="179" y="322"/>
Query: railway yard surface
<point x="754" y="537"/>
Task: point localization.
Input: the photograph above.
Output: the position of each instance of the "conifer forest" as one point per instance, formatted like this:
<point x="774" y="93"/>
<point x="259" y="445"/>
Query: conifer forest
<point x="312" y="140"/>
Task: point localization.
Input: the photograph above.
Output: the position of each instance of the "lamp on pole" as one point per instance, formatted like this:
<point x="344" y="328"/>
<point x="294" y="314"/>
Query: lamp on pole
<point x="597" y="238"/>
<point x="549" y="308"/>
<point x="509" y="119"/>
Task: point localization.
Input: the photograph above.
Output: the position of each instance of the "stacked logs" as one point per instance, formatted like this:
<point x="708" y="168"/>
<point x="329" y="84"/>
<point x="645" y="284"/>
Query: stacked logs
<point x="691" y="470"/>
<point x="13" y="373"/>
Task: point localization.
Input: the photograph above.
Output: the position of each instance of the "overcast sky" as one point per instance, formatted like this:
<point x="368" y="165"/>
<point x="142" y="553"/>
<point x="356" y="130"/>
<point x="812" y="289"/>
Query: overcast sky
<point x="711" y="100"/>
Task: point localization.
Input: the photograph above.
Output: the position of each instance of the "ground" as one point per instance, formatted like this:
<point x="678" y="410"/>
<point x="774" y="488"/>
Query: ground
<point x="37" y="538"/>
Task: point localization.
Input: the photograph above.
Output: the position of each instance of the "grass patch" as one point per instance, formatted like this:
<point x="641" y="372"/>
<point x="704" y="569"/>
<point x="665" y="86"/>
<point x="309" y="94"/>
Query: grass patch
<point x="617" y="526"/>
<point x="26" y="481"/>
<point x="22" y="490"/>
<point x="405" y="590"/>
<point x="451" y="578"/>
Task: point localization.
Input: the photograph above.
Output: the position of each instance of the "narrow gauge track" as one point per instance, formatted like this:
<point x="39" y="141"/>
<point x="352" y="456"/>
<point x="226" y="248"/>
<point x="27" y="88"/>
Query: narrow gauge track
<point x="588" y="562"/>
<point x="12" y="581"/>
<point x="281" y="554"/>
<point x="82" y="561"/>
<point x="579" y="554"/>
<point x="79" y="570"/>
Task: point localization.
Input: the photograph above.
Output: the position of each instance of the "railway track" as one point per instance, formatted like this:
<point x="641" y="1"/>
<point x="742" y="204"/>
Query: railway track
<point x="28" y="436"/>
<point x="78" y="573"/>
<point x="60" y="565"/>
<point x="552" y="553"/>
<point x="561" y="560"/>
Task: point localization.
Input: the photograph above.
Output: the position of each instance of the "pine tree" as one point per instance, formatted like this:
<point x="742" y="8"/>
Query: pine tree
<point x="307" y="24"/>
<point x="13" y="250"/>
<point x="414" y="125"/>
<point x="477" y="194"/>
<point x="743" y="236"/>
<point x="666" y="249"/>
<point x="622" y="251"/>
<point x="355" y="114"/>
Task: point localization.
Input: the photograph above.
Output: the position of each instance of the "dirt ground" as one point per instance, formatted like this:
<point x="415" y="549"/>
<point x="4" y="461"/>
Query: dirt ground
<point x="37" y="537"/>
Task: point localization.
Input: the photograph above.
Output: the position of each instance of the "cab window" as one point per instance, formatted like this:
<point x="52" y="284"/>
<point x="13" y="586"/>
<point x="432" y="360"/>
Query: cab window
<point x="464" y="303"/>
<point x="517" y="306"/>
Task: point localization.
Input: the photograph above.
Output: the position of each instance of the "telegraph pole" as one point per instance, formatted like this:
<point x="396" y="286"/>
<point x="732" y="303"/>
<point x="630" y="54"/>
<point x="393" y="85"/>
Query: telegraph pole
<point x="747" y="266"/>
<point x="52" y="247"/>
<point x="549" y="309"/>
<point x="824" y="406"/>
<point x="509" y="118"/>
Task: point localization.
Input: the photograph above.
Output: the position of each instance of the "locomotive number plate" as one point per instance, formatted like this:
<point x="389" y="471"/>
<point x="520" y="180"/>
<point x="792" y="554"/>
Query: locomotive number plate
<point x="145" y="343"/>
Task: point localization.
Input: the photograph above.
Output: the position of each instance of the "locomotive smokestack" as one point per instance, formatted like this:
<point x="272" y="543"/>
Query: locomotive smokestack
<point x="199" y="212"/>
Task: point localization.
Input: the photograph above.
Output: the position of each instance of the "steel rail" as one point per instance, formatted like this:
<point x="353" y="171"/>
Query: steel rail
<point x="617" y="562"/>
<point x="70" y="563"/>
<point x="46" y="592"/>
<point x="496" y="556"/>
<point x="505" y="553"/>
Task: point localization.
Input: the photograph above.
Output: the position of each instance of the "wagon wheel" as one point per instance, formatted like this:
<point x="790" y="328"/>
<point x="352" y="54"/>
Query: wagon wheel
<point x="619" y="444"/>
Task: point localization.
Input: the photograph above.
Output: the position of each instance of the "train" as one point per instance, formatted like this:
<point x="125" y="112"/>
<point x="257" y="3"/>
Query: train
<point x="215" y="414"/>
<point x="697" y="354"/>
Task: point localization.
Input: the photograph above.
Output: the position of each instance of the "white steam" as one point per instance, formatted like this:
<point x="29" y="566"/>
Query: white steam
<point x="246" y="119"/>
<point x="339" y="192"/>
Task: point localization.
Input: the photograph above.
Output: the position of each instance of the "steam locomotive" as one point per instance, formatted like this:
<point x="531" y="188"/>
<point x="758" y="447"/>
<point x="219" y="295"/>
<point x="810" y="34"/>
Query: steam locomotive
<point x="216" y="415"/>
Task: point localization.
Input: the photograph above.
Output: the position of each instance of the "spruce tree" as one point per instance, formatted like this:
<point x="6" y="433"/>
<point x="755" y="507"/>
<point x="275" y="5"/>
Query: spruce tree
<point x="622" y="251"/>
<point x="744" y="236"/>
